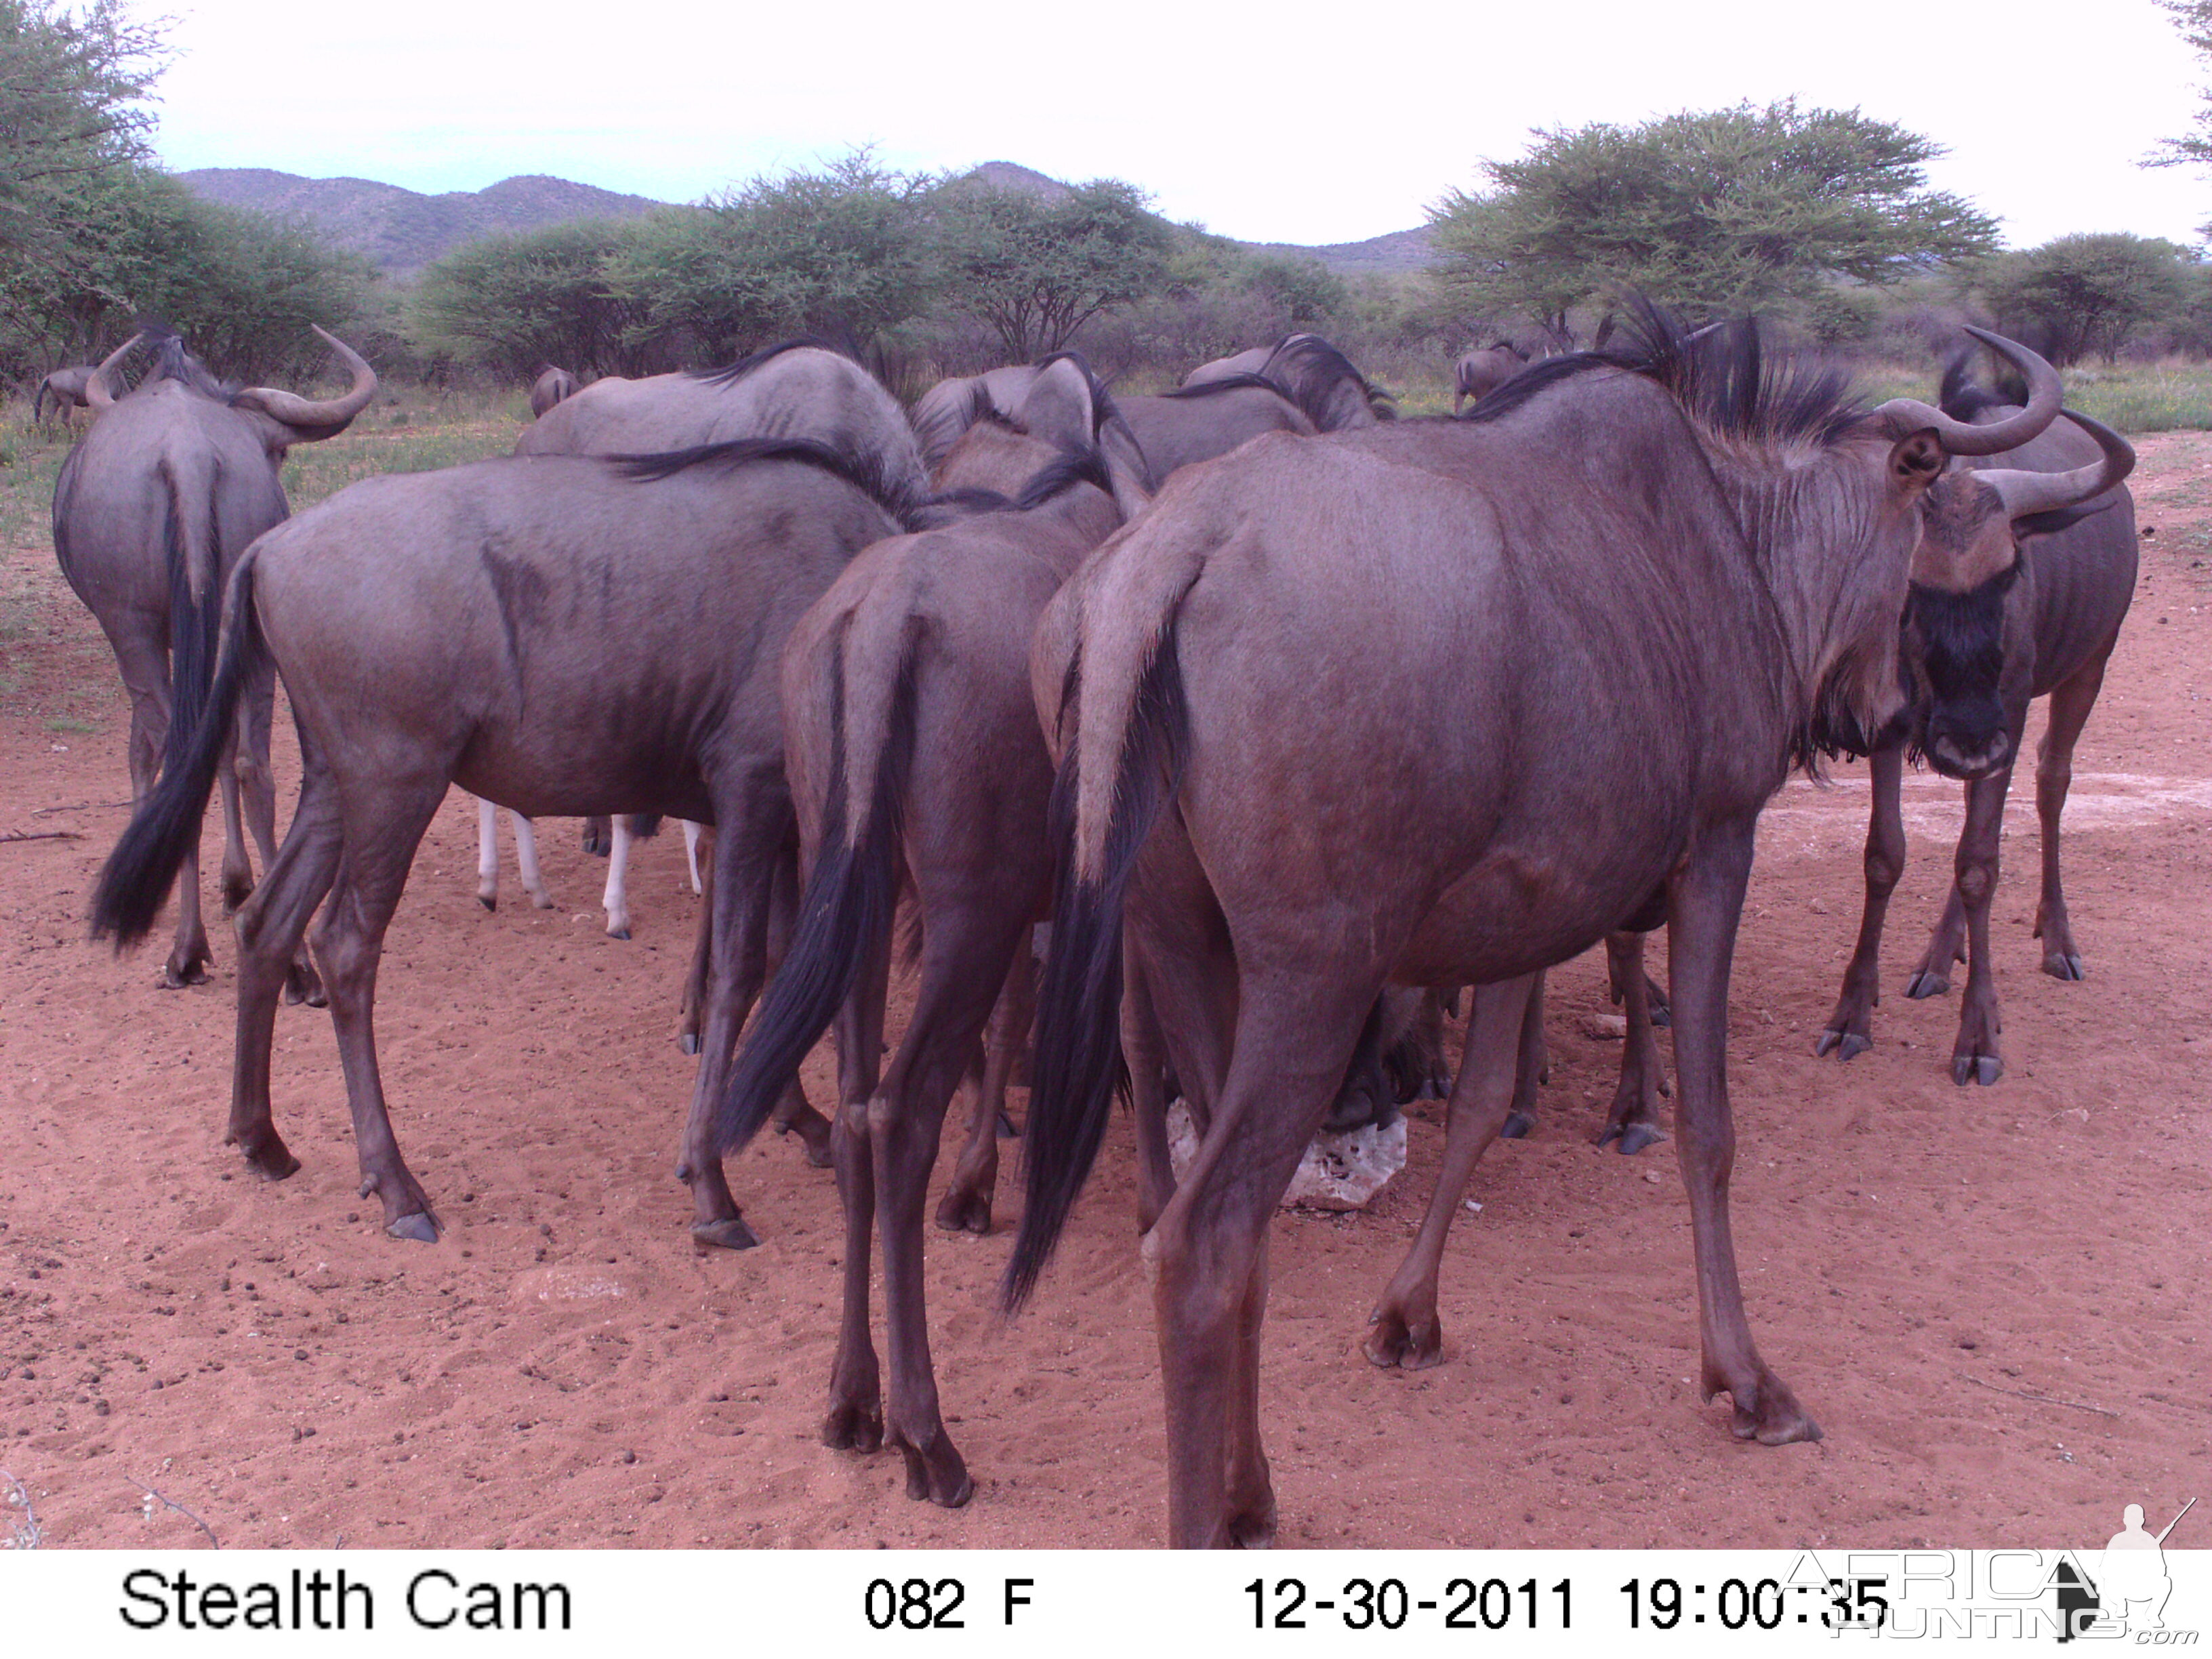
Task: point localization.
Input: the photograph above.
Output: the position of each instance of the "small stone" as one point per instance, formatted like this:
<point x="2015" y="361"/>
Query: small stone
<point x="629" y="1457"/>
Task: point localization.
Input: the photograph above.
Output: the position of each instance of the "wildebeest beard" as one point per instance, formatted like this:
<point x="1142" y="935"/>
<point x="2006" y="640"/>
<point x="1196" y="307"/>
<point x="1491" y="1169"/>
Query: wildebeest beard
<point x="1958" y="640"/>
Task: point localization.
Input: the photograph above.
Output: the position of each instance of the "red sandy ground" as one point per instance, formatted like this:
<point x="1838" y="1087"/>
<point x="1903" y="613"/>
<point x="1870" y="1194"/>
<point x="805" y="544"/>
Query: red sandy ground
<point x="1933" y="1269"/>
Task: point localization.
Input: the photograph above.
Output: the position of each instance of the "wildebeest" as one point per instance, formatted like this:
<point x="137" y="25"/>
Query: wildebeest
<point x="915" y="756"/>
<point x="1445" y="703"/>
<point x="2053" y="576"/>
<point x="552" y="386"/>
<point x="1313" y="375"/>
<point x="1481" y="371"/>
<point x="560" y="635"/>
<point x="66" y="387"/>
<point x="151" y="511"/>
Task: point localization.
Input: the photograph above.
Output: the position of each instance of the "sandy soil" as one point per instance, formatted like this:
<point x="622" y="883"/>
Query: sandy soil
<point x="1995" y="1301"/>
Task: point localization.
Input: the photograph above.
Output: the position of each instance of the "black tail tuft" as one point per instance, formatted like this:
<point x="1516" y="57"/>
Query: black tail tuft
<point x="845" y="916"/>
<point x="1078" y="1068"/>
<point x="139" y="873"/>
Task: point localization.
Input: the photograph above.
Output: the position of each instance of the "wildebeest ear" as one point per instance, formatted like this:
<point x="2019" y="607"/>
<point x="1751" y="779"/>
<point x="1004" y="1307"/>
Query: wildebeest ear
<point x="1916" y="461"/>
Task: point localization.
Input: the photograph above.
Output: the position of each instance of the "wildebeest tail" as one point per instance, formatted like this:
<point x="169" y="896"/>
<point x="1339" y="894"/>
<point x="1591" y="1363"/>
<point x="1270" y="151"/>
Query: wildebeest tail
<point x="138" y="873"/>
<point x="191" y="541"/>
<point x="851" y="898"/>
<point x="1118" y="772"/>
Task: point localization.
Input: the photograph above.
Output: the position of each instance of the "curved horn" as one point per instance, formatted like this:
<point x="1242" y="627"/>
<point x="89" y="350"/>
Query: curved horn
<point x="97" y="396"/>
<point x="2025" y="493"/>
<point x="331" y="412"/>
<point x="1959" y="437"/>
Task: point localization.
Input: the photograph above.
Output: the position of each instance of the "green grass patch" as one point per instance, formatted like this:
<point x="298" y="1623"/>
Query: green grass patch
<point x="70" y="723"/>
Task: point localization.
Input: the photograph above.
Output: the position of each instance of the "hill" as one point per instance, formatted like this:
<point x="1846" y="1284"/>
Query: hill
<point x="400" y="231"/>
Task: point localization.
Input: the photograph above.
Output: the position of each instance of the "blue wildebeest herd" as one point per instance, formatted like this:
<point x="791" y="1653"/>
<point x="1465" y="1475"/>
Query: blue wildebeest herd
<point x="1290" y="718"/>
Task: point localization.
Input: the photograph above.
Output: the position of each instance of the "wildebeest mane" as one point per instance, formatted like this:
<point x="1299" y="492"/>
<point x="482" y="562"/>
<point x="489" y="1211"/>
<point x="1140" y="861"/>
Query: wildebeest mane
<point x="865" y="473"/>
<point x="1309" y="368"/>
<point x="1227" y="383"/>
<point x="744" y="365"/>
<point x="1724" y="376"/>
<point x="173" y="361"/>
<point x="1965" y="398"/>
<point x="1055" y="479"/>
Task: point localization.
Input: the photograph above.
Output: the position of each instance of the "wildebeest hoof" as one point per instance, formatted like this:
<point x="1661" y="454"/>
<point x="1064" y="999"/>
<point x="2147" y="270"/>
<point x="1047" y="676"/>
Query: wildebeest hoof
<point x="1927" y="982"/>
<point x="419" y="1226"/>
<point x="269" y="1155"/>
<point x="1518" y="1125"/>
<point x="730" y="1234"/>
<point x="622" y="934"/>
<point x="1393" y="1340"/>
<point x="2063" y="965"/>
<point x="176" y="976"/>
<point x="1633" y="1137"/>
<point x="1252" y="1527"/>
<point x="303" y="984"/>
<point x="1845" y="1045"/>
<point x="1007" y="1129"/>
<point x="489" y="901"/>
<point x="688" y="1041"/>
<point x="854" y="1426"/>
<point x="964" y="1210"/>
<point x="938" y="1475"/>
<point x="1983" y="1069"/>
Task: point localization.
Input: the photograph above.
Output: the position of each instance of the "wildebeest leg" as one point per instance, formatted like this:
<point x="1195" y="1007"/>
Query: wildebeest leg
<point x="144" y="666"/>
<point x="1848" y="1031"/>
<point x="2070" y="704"/>
<point x="691" y="853"/>
<point x="1634" y="1118"/>
<point x="270" y="925"/>
<point x="753" y="820"/>
<point x="693" y="1014"/>
<point x="487" y="854"/>
<point x="257" y="786"/>
<point x="598" y="836"/>
<point x="1975" y="1057"/>
<point x="1404" y="1330"/>
<point x="382" y="827"/>
<point x="966" y="1206"/>
<point x="616" y="900"/>
<point x="1294" y="1036"/>
<point x="1705" y="904"/>
<point x="1146" y="1056"/>
<point x="905" y="1119"/>
<point x="793" y="1115"/>
<point x="526" y="859"/>
<point x="856" y="1419"/>
<point x="1530" y="1069"/>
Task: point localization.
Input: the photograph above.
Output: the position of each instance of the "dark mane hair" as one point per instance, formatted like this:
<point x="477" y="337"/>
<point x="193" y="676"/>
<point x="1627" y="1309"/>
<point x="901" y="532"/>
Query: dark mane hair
<point x="865" y="473"/>
<point x="1963" y="398"/>
<point x="744" y="365"/>
<point x="1055" y="479"/>
<point x="1724" y="375"/>
<point x="1230" y="383"/>
<point x="173" y="361"/>
<point x="1310" y="370"/>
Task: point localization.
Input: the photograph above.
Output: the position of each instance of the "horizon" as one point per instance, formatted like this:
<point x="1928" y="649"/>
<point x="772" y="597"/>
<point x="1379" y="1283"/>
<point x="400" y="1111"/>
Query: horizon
<point x="1292" y="147"/>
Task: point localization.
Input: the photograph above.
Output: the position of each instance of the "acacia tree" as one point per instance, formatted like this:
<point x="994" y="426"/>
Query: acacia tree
<point x="513" y="302"/>
<point x="1713" y="212"/>
<point x="842" y="253"/>
<point x="2087" y="292"/>
<point x="1035" y="268"/>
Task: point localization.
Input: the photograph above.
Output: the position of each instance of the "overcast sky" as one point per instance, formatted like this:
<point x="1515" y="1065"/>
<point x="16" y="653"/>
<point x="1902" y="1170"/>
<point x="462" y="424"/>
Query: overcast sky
<point x="1290" y="124"/>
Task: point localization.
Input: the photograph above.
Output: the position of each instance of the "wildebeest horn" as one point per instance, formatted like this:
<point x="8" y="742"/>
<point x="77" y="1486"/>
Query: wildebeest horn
<point x="2026" y="493"/>
<point x="1960" y="438"/>
<point x="296" y="411"/>
<point x="97" y="396"/>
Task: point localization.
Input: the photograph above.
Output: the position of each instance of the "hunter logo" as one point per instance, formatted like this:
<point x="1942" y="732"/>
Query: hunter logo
<point x="2128" y="1595"/>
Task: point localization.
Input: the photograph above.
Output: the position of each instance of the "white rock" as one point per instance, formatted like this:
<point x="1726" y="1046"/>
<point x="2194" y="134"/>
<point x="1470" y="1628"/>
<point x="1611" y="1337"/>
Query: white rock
<point x="1337" y="1172"/>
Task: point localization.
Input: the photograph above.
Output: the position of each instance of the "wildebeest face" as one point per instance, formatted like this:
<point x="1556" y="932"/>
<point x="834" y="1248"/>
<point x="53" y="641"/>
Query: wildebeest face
<point x="1964" y="650"/>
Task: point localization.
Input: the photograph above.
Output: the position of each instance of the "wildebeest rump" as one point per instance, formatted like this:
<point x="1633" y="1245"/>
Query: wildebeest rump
<point x="1482" y="371"/>
<point x="912" y="747"/>
<point x="1446" y="702"/>
<point x="559" y="635"/>
<point x="1312" y="373"/>
<point x="2050" y="589"/>
<point x="552" y="385"/>
<point x="66" y="387"/>
<point x="152" y="509"/>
